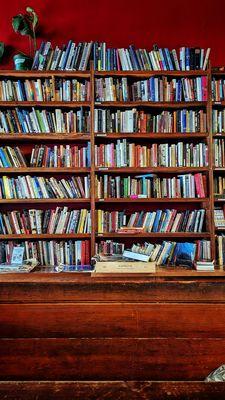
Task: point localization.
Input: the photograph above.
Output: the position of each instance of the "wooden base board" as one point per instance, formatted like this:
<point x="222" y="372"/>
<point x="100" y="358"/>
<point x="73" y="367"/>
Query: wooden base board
<point x="117" y="390"/>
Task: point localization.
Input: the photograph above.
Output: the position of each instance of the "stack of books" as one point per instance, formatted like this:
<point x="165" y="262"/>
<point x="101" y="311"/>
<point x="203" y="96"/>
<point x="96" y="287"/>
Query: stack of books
<point x="204" y="266"/>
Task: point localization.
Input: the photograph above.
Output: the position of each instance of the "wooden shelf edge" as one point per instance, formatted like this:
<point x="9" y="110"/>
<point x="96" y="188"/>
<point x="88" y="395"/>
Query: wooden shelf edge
<point x="153" y="200"/>
<point x="155" y="235"/>
<point x="51" y="170"/>
<point x="46" y="236"/>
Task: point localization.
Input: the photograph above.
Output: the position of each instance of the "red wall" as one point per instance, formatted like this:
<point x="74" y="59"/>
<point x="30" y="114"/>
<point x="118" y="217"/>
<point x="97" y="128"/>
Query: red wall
<point x="169" y="23"/>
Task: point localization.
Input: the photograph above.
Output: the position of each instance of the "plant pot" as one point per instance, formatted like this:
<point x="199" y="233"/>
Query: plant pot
<point x="22" y="62"/>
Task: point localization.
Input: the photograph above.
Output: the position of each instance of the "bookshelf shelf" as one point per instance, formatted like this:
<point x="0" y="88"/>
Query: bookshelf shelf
<point x="46" y="236"/>
<point x="155" y="235"/>
<point x="148" y="74"/>
<point x="151" y="104"/>
<point x="218" y="103"/>
<point x="153" y="200"/>
<point x="44" y="74"/>
<point x="152" y="136"/>
<point x="166" y="170"/>
<point x="219" y="169"/>
<point x="44" y="170"/>
<point x="61" y="104"/>
<point x="44" y="137"/>
<point x="219" y="135"/>
<point x="44" y="201"/>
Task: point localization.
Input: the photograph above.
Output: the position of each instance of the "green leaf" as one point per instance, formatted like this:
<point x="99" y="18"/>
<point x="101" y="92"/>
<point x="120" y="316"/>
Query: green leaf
<point x="34" y="16"/>
<point x="21" y="25"/>
<point x="2" y="49"/>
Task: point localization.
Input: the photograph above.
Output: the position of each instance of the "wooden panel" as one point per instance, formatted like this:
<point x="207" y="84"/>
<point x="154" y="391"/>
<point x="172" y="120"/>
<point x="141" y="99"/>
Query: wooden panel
<point x="109" y="359"/>
<point x="112" y="390"/>
<point x="112" y="320"/>
<point x="62" y="288"/>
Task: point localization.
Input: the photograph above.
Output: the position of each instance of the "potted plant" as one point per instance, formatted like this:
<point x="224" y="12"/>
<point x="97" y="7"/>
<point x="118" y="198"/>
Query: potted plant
<point x="26" y="24"/>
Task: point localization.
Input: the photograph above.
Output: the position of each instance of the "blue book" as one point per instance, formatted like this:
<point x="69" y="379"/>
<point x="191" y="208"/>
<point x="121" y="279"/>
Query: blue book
<point x="187" y="58"/>
<point x="169" y="59"/>
<point x="66" y="54"/>
<point x="133" y="57"/>
<point x="22" y="90"/>
<point x="156" y="221"/>
<point x="88" y="155"/>
<point x="152" y="86"/>
<point x="21" y="120"/>
<point x="162" y="58"/>
<point x="4" y="160"/>
<point x="36" y="183"/>
<point x="2" y="231"/>
<point x="185" y="254"/>
<point x="140" y="220"/>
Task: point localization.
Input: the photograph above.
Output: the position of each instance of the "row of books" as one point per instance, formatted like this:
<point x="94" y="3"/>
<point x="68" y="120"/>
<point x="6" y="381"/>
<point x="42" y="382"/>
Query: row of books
<point x="151" y="186"/>
<point x="126" y="154"/>
<point x="58" y="121"/>
<point x="44" y="90"/>
<point x="12" y="157"/>
<point x="61" y="156"/>
<point x="219" y="152"/>
<point x="77" y="57"/>
<point x="45" y="156"/>
<point x="219" y="186"/>
<point x="218" y="121"/>
<point x="169" y="220"/>
<point x="152" y="89"/>
<point x="69" y="57"/>
<point x="109" y="248"/>
<point x="44" y="121"/>
<point x="219" y="217"/>
<point x="132" y="59"/>
<point x="221" y="250"/>
<point x="218" y="89"/>
<point x="38" y="187"/>
<point x="165" y="253"/>
<point x="69" y="252"/>
<point x="32" y="221"/>
<point x="134" y="120"/>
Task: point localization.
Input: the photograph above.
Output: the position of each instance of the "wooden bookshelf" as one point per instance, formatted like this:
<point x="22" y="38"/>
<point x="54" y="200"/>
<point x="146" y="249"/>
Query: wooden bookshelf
<point x="94" y="203"/>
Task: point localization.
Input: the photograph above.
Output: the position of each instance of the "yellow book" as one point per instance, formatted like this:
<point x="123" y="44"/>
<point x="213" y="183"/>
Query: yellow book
<point x="83" y="216"/>
<point x="6" y="186"/>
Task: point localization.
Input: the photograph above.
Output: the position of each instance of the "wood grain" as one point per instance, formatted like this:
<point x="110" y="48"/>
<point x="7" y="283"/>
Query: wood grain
<point x="110" y="359"/>
<point x="120" y="390"/>
<point x="105" y="320"/>
<point x="47" y="288"/>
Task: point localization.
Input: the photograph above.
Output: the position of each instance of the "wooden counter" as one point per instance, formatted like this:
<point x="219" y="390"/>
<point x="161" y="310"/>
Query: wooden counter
<point x="74" y="327"/>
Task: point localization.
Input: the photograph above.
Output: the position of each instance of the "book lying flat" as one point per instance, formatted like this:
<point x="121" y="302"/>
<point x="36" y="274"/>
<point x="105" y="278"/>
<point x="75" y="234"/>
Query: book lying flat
<point x="128" y="267"/>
